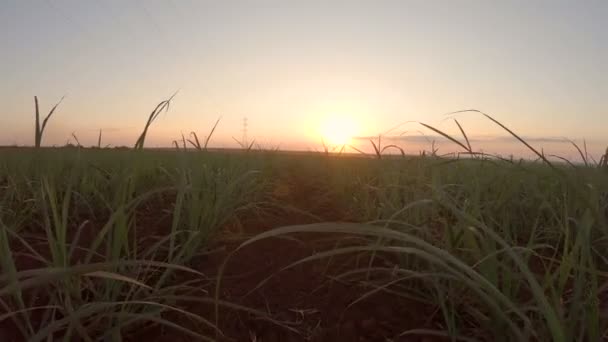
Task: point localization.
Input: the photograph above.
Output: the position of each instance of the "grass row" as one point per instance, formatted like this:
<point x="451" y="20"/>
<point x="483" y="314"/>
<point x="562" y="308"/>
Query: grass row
<point x="92" y="241"/>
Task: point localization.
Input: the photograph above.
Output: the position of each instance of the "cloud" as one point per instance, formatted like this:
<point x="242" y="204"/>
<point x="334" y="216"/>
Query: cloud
<point x="489" y="139"/>
<point x="110" y="129"/>
<point x="402" y="138"/>
<point x="525" y="138"/>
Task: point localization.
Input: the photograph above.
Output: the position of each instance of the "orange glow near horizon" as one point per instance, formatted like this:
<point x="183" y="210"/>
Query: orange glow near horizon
<point x="336" y="129"/>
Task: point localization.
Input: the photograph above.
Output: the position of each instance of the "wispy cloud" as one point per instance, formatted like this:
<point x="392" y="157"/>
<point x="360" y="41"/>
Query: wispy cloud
<point x="111" y="129"/>
<point x="402" y="138"/>
<point x="489" y="139"/>
<point x="526" y="138"/>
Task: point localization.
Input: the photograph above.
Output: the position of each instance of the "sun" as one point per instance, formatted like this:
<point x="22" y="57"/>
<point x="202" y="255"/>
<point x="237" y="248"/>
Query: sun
<point x="337" y="130"/>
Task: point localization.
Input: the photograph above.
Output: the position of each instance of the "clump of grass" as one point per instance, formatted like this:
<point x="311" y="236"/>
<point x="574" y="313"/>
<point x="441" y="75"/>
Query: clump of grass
<point x="329" y="149"/>
<point x="379" y="149"/>
<point x="244" y="145"/>
<point x="467" y="148"/>
<point x="93" y="275"/>
<point x="39" y="129"/>
<point x="197" y="144"/>
<point x="162" y="106"/>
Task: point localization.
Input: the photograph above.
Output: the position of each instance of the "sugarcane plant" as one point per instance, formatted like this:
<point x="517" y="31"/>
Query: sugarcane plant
<point x="162" y="106"/>
<point x="196" y="142"/>
<point x="39" y="130"/>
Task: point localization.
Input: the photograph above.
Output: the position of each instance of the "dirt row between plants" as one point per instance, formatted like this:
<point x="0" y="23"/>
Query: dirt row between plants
<point x="307" y="302"/>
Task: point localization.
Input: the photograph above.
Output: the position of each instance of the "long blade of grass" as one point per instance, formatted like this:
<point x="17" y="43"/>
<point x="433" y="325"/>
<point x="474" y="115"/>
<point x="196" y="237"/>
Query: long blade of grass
<point x="580" y="152"/>
<point x="211" y="133"/>
<point x="445" y="135"/>
<point x="46" y="119"/>
<point x="464" y="134"/>
<point x="37" y="124"/>
<point x="539" y="154"/>
<point x="117" y="277"/>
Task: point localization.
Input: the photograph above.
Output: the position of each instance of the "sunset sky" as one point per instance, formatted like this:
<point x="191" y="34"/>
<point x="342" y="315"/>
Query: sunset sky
<point x="299" y="70"/>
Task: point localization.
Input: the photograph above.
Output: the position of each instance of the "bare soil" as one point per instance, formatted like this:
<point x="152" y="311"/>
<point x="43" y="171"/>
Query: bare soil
<point x="308" y="302"/>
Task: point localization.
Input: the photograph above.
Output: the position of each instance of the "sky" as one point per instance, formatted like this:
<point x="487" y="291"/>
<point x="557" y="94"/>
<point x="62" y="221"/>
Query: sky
<point x="306" y="71"/>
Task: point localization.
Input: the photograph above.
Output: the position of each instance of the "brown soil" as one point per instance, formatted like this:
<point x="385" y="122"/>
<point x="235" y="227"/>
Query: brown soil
<point x="309" y="296"/>
<point x="303" y="303"/>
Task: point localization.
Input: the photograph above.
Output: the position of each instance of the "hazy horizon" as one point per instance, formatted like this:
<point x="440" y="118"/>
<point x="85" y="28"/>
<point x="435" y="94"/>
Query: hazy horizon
<point x="300" y="71"/>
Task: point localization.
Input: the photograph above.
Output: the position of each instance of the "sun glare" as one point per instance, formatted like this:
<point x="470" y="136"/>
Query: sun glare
<point x="338" y="129"/>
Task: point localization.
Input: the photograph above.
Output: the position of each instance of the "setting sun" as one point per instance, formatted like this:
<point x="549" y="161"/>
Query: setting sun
<point x="338" y="129"/>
